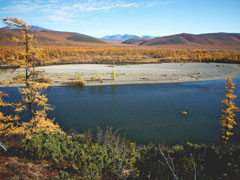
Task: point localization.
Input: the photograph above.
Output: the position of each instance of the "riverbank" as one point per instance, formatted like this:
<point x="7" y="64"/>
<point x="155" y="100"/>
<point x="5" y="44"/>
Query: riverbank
<point x="132" y="74"/>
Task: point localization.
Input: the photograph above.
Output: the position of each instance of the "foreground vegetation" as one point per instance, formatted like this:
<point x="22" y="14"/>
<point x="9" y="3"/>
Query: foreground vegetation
<point x="107" y="156"/>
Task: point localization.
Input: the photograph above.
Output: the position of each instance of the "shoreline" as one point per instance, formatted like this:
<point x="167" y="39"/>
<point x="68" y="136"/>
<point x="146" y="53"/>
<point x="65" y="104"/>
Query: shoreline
<point x="145" y="83"/>
<point x="131" y="74"/>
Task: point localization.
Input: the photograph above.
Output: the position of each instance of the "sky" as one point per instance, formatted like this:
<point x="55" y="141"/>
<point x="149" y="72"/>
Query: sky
<point x="140" y="17"/>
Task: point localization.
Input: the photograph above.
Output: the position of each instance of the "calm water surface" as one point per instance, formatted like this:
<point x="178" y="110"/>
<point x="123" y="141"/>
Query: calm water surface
<point x="146" y="113"/>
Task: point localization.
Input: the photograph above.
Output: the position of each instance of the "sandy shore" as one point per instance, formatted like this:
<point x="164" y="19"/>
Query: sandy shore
<point x="133" y="74"/>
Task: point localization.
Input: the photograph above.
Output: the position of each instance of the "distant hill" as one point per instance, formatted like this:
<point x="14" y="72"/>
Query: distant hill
<point x="45" y="37"/>
<point x="136" y="41"/>
<point x="119" y="37"/>
<point x="84" y="38"/>
<point x="128" y="36"/>
<point x="35" y="28"/>
<point x="49" y="38"/>
<point x="122" y="38"/>
<point x="213" y="40"/>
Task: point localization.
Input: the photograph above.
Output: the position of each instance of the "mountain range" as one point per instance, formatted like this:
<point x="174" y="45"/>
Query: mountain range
<point x="228" y="41"/>
<point x="119" y="37"/>
<point x="35" y="28"/>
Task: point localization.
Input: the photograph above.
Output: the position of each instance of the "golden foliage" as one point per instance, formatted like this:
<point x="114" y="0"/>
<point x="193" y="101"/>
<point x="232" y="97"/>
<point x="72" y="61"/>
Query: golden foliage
<point x="18" y="79"/>
<point x="32" y="99"/>
<point x="66" y="55"/>
<point x="12" y="21"/>
<point x="100" y="77"/>
<point x="227" y="121"/>
<point x="7" y="123"/>
<point x="2" y="103"/>
<point x="93" y="77"/>
<point x="40" y="124"/>
<point x="78" y="81"/>
<point x="44" y="79"/>
<point x="113" y="75"/>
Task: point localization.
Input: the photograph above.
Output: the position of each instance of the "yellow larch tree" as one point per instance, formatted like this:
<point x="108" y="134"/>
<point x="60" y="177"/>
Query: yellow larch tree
<point x="32" y="99"/>
<point x="228" y="121"/>
<point x="7" y="122"/>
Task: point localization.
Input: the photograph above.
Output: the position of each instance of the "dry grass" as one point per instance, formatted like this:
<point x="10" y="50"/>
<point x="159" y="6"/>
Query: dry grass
<point x="93" y="77"/>
<point x="77" y="81"/>
<point x="44" y="79"/>
<point x="15" y="168"/>
<point x="74" y="83"/>
<point x="18" y="168"/>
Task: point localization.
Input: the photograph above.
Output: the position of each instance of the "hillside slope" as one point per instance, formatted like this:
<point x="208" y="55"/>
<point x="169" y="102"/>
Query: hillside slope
<point x="213" y="40"/>
<point x="136" y="41"/>
<point x="49" y="38"/>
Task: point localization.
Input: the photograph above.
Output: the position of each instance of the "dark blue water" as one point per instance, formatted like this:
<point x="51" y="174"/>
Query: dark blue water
<point x="146" y="113"/>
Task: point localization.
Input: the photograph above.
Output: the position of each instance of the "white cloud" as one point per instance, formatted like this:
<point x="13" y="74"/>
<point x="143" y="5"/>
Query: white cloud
<point x="26" y="6"/>
<point x="90" y="5"/>
<point x="103" y="5"/>
<point x="159" y="3"/>
<point x="62" y="10"/>
<point x="66" y="20"/>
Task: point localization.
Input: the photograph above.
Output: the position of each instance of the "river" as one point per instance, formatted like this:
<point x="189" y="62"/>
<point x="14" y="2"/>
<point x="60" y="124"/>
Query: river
<point x="145" y="113"/>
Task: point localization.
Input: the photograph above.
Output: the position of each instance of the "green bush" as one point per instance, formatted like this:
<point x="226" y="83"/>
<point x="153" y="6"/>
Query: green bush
<point x="211" y="162"/>
<point x="84" y="159"/>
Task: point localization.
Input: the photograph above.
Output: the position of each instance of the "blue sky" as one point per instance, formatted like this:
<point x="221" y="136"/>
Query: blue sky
<point x="141" y="17"/>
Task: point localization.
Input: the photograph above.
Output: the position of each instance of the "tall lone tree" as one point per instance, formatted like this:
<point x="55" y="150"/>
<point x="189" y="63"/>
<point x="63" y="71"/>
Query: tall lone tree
<point x="32" y="99"/>
<point x="228" y="121"/>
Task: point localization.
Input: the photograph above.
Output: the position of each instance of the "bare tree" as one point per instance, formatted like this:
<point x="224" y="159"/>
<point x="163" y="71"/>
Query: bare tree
<point x="169" y="161"/>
